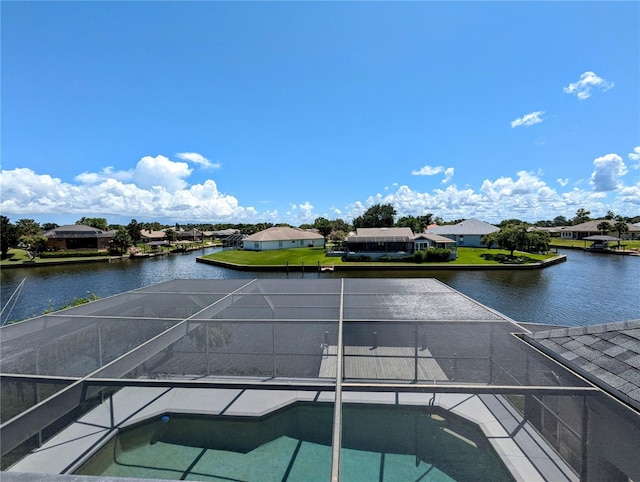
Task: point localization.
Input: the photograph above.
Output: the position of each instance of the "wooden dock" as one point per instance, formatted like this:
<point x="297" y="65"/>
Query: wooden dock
<point x="382" y="363"/>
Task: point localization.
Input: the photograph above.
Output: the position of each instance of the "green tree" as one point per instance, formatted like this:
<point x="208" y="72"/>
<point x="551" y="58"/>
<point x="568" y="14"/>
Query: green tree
<point x="341" y="225"/>
<point x="324" y="227"/>
<point x="604" y="227"/>
<point x="49" y="226"/>
<point x="122" y="239"/>
<point x="134" y="229"/>
<point x="27" y="227"/>
<point x="98" y="223"/>
<point x="377" y="216"/>
<point x="171" y="235"/>
<point x="620" y="226"/>
<point x="560" y="221"/>
<point x="538" y="241"/>
<point x="8" y="236"/>
<point x="33" y="245"/>
<point x="512" y="237"/>
<point x="582" y="216"/>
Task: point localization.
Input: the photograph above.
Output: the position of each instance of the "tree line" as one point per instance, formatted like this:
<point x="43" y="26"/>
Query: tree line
<point x="27" y="233"/>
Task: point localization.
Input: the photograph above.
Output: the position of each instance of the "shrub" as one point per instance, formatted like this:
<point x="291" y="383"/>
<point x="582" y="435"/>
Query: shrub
<point x="72" y="254"/>
<point x="432" y="255"/>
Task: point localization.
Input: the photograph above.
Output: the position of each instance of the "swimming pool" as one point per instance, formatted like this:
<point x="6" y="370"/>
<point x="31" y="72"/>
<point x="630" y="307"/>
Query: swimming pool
<point x="294" y="444"/>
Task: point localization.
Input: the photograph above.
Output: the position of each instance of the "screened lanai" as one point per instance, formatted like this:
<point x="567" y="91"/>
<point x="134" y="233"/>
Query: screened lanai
<point x="239" y="351"/>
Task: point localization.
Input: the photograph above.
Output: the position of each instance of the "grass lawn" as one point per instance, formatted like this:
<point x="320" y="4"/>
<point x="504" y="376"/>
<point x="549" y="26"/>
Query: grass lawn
<point x="313" y="256"/>
<point x="20" y="257"/>
<point x="579" y="243"/>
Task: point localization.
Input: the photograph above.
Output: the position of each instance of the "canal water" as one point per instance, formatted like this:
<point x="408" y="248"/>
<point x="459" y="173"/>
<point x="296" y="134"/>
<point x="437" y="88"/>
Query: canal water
<point x="589" y="288"/>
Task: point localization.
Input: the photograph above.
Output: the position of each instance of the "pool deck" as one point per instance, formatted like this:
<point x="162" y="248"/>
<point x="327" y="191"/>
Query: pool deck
<point x="527" y="456"/>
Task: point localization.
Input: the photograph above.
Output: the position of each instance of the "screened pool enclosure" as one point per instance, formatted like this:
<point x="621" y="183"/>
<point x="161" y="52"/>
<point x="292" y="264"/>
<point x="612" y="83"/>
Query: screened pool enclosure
<point x="239" y="351"/>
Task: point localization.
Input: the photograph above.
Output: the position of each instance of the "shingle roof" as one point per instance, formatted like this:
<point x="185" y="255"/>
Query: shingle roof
<point x="470" y="226"/>
<point x="592" y="226"/>
<point x="608" y="355"/>
<point x="77" y="231"/>
<point x="436" y="238"/>
<point x="389" y="235"/>
<point x="283" y="233"/>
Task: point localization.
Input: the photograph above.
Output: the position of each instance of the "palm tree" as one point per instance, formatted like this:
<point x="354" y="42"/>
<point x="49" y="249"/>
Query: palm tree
<point x="621" y="227"/>
<point x="604" y="227"/>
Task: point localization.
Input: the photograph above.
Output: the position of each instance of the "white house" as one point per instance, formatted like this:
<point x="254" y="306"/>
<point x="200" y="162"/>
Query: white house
<point x="283" y="237"/>
<point x="467" y="233"/>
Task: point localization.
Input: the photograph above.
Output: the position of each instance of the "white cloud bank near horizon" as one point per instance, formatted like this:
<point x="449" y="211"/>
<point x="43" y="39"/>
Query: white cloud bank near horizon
<point x="157" y="189"/>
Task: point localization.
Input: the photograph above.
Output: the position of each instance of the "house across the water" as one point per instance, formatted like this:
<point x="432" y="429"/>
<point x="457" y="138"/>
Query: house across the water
<point x="283" y="237"/>
<point x="78" y="237"/>
<point x="467" y="233"/>
<point x="389" y="242"/>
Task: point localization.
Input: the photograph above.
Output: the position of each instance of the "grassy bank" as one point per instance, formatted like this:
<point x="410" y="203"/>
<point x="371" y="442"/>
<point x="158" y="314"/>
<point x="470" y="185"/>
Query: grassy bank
<point x="579" y="243"/>
<point x="315" y="256"/>
<point x="19" y="257"/>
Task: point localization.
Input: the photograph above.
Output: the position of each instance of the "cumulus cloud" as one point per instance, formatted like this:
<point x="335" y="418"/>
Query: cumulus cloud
<point x="199" y="159"/>
<point x="588" y="81"/>
<point x="634" y="157"/>
<point x="149" y="172"/>
<point x="563" y="182"/>
<point x="155" y="188"/>
<point x="528" y="119"/>
<point x="432" y="171"/>
<point x="301" y="213"/>
<point x="607" y="172"/>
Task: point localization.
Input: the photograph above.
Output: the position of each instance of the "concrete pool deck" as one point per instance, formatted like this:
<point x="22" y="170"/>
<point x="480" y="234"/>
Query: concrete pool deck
<point x="526" y="455"/>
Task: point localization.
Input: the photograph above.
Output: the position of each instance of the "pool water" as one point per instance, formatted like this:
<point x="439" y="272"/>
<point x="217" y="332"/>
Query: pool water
<point x="379" y="443"/>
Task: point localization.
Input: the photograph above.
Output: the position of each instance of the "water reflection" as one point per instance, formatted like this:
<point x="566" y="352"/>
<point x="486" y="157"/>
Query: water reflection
<point x="588" y="289"/>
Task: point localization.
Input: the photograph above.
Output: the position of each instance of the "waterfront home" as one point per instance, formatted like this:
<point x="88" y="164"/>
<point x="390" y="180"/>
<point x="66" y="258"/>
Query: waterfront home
<point x="78" y="237"/>
<point x="149" y="236"/>
<point x="590" y="228"/>
<point x="283" y="237"/>
<point x="467" y="233"/>
<point x="394" y="242"/>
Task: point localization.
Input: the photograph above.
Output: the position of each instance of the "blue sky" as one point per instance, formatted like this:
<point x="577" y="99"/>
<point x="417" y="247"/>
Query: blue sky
<point x="287" y="111"/>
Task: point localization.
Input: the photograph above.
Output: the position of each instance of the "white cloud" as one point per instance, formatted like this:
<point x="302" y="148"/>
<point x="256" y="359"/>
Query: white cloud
<point x="157" y="188"/>
<point x="528" y="119"/>
<point x="427" y="171"/>
<point x="563" y="182"/>
<point x="198" y="159"/>
<point x="607" y="171"/>
<point x="635" y="157"/>
<point x="161" y="171"/>
<point x="588" y="80"/>
<point x="448" y="175"/>
<point x="149" y="172"/>
<point x="301" y="213"/>
<point x="432" y="171"/>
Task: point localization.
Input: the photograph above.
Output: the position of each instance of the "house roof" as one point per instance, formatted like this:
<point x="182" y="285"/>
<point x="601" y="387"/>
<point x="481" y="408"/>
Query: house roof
<point x="470" y="226"/>
<point x="592" y="226"/>
<point x="608" y="355"/>
<point x="383" y="234"/>
<point x="436" y="238"/>
<point x="77" y="231"/>
<point x="147" y="233"/>
<point x="283" y="233"/>
<point x="601" y="237"/>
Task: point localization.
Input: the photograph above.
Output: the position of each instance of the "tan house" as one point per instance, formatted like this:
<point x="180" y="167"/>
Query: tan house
<point x="590" y="228"/>
<point x="283" y="237"/>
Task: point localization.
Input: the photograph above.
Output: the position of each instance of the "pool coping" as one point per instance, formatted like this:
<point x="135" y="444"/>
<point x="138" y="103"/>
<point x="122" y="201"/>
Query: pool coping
<point x="527" y="456"/>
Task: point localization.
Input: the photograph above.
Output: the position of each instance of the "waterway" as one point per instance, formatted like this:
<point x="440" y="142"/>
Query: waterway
<point x="587" y="289"/>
